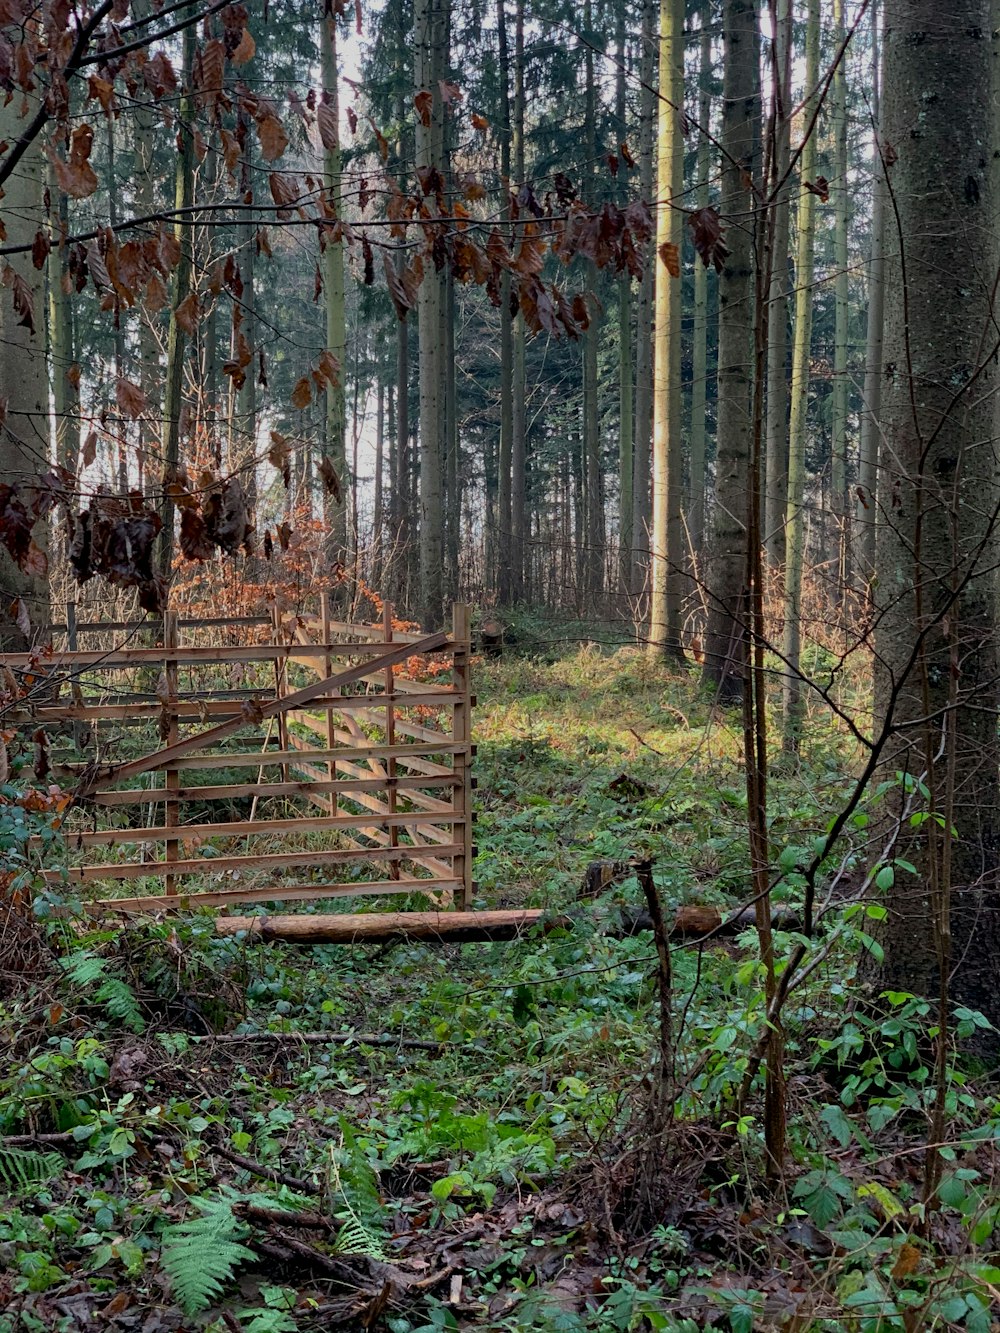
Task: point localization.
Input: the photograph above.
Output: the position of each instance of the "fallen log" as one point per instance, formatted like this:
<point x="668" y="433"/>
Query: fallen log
<point x="692" y="922"/>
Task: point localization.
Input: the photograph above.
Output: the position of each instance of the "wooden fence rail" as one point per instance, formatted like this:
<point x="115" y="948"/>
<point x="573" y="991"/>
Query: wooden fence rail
<point x="369" y="726"/>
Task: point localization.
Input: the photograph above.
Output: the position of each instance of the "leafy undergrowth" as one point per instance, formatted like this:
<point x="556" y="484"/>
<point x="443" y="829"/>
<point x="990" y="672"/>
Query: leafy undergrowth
<point x="202" y="1132"/>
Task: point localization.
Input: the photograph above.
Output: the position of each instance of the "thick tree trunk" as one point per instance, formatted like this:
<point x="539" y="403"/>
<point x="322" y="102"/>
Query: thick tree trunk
<point x="776" y="469"/>
<point x="791" y="696"/>
<point x="666" y="546"/>
<point x="936" y="635"/>
<point x="726" y="638"/>
<point x="641" y="510"/>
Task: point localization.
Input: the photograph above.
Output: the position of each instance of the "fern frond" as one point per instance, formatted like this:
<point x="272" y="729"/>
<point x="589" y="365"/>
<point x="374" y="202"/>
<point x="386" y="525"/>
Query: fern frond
<point x="21" y="1167"/>
<point x="83" y="968"/>
<point x="120" y="1002"/>
<point x="201" y="1253"/>
<point x="353" y="1237"/>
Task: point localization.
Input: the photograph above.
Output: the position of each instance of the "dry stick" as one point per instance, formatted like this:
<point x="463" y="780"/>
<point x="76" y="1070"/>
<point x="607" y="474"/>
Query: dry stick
<point x="324" y="1038"/>
<point x="297" y="1183"/>
<point x="663" y="1101"/>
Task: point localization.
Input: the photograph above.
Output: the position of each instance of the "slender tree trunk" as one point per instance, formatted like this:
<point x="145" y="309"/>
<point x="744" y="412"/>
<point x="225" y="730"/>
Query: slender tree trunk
<point x="641" y="510"/>
<point x="504" y="577"/>
<point x="246" y="433"/>
<point x="936" y="636"/>
<point x="150" y="377"/>
<point x="666" y="548"/>
<point x="726" y="637"/>
<point x="334" y="444"/>
<point x="65" y="394"/>
<point x="430" y="27"/>
<point x="699" y="331"/>
<point x="121" y="426"/>
<point x="838" y="472"/>
<point x="594" y="537"/>
<point x="378" y="507"/>
<point x="625" y="362"/>
<point x="24" y="432"/>
<point x="776" y="469"/>
<point x="176" y="339"/>
<point x="519" y="442"/>
<point x="400" y="509"/>
<point x="872" y="411"/>
<point x="792" y="700"/>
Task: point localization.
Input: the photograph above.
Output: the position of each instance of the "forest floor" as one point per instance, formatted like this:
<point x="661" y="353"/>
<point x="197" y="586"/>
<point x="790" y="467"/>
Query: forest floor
<point x="483" y="1160"/>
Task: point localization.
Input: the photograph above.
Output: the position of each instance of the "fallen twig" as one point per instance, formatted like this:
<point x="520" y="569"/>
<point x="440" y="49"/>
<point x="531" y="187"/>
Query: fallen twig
<point x="297" y="1183"/>
<point x="321" y="1038"/>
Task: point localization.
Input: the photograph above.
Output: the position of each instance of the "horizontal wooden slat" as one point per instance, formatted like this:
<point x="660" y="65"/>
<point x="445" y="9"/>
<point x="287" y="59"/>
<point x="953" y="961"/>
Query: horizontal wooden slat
<point x="232" y="791"/>
<point x="166" y="757"/>
<point x="240" y="828"/>
<point x="276" y="893"/>
<point x="207" y="655"/>
<point x="216" y="865"/>
<point x="268" y="758"/>
<point x="211" y="622"/>
<point x="216" y="708"/>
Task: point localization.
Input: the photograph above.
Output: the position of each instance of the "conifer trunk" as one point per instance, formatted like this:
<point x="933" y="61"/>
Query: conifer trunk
<point x="176" y="338"/>
<point x="776" y="468"/>
<point x="726" y="636"/>
<point x="643" y="435"/>
<point x="795" y="519"/>
<point x="666" y="545"/>
<point x="840" y="433"/>
<point x="504" y="581"/>
<point x="699" y="331"/>
<point x="872" y="408"/>
<point x="430" y="28"/>
<point x="335" y="433"/>
<point x="937" y="546"/>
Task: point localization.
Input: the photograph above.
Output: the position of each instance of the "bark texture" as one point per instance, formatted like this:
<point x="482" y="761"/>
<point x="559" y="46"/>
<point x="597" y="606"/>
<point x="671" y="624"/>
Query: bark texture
<point x="936" y="660"/>
<point x="726" y="638"/>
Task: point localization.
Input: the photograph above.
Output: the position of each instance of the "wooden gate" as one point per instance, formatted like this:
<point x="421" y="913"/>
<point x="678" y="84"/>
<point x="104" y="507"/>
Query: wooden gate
<point x="375" y="734"/>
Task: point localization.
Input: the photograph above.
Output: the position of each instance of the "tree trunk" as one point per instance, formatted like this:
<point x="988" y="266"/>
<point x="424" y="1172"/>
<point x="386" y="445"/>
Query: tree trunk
<point x="625" y="363"/>
<point x="504" y="580"/>
<point x="872" y="411"/>
<point x="841" y="192"/>
<point x="726" y="637"/>
<point x="519" y="443"/>
<point x="776" y="468"/>
<point x="62" y="351"/>
<point x="936" y="635"/>
<point x="430" y="28"/>
<point x="334" y="443"/>
<point x="641" y="511"/>
<point x="176" y="339"/>
<point x="666" y="546"/>
<point x="792" y="701"/>
<point x="594" y="537"/>
<point x="699" y="331"/>
<point x="24" y="432"/>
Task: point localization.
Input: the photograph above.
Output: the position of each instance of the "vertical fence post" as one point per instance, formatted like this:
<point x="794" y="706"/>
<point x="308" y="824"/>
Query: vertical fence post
<point x="390" y="739"/>
<point x="76" y="693"/>
<point x="461" y="633"/>
<point x="280" y="687"/>
<point x="331" y="723"/>
<point x="172" y="777"/>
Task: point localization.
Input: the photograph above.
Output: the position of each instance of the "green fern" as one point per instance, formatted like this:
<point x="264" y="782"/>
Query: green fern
<point x="86" y="969"/>
<point x="21" y="1167"/>
<point x="354" y="1183"/>
<point x="201" y="1253"/>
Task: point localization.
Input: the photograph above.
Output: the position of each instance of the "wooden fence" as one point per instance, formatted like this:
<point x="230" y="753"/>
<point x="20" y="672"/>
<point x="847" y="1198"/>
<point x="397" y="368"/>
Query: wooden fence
<point x="369" y="727"/>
